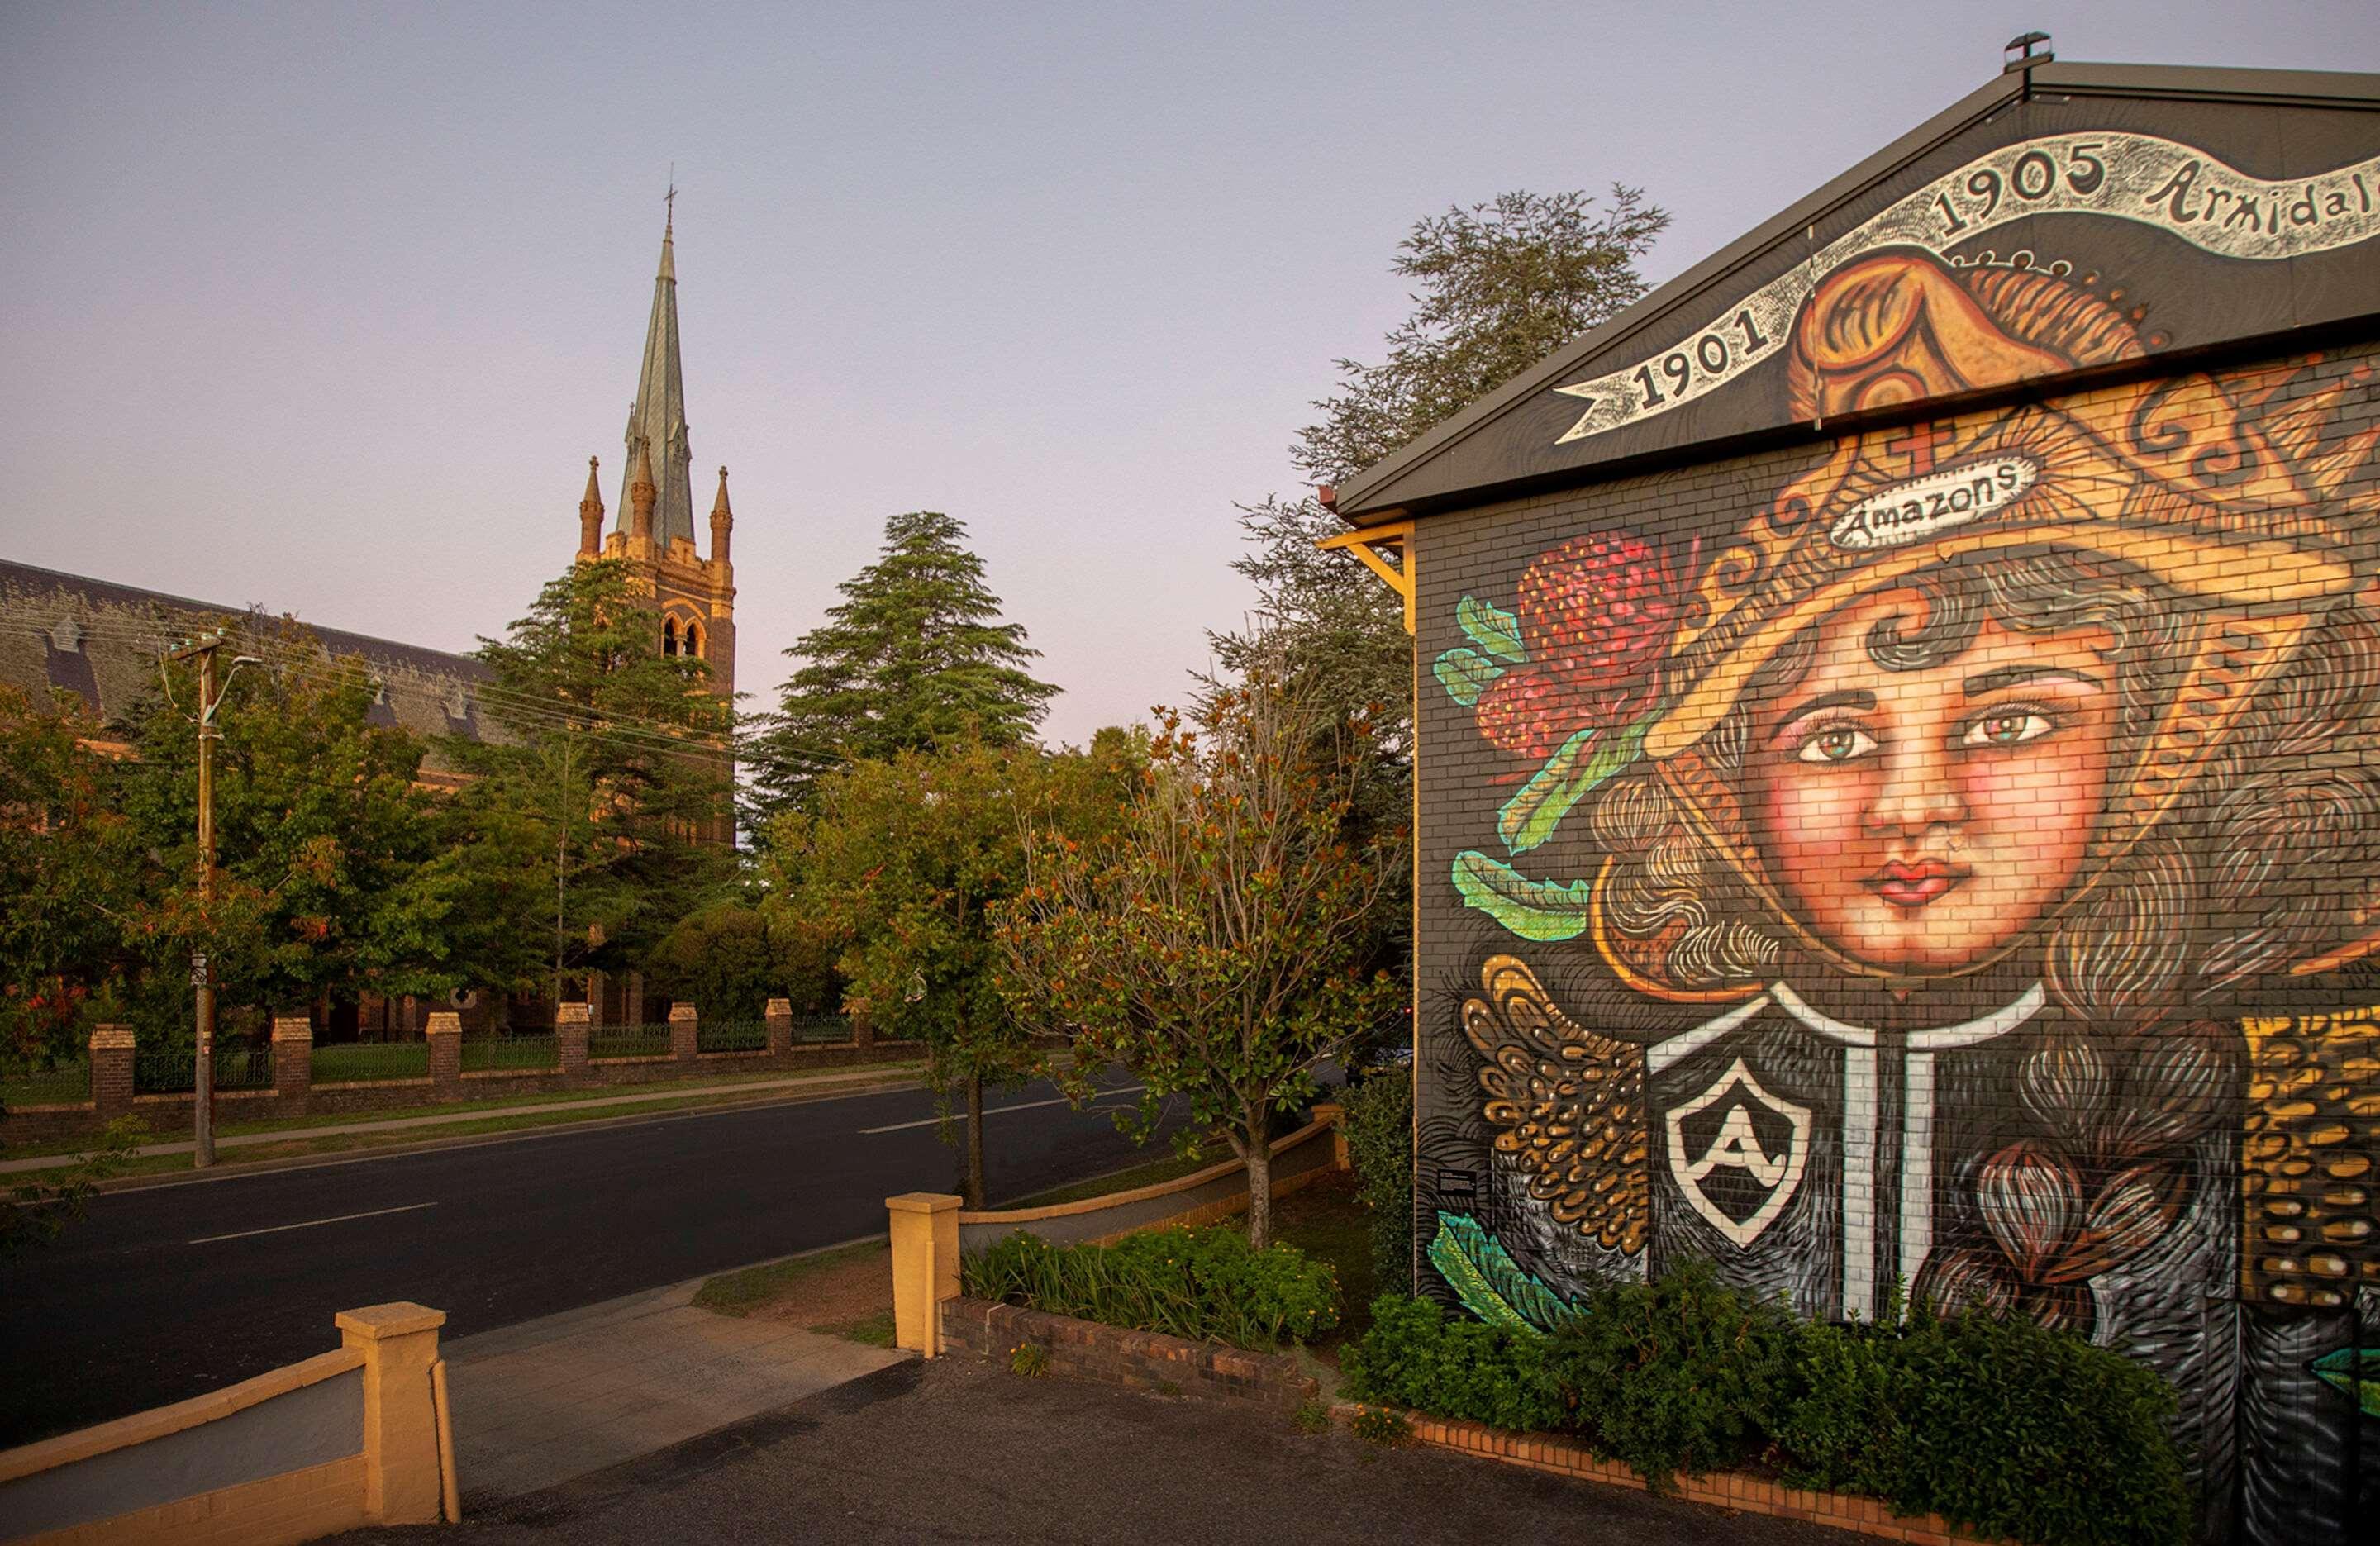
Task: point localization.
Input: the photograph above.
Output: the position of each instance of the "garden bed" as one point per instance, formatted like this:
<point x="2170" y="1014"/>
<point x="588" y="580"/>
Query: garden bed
<point x="1119" y="1356"/>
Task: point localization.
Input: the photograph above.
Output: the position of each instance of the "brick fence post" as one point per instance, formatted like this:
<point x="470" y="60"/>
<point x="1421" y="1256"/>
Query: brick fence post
<point x="863" y="1028"/>
<point x="570" y="1043"/>
<point x="110" y="1071"/>
<point x="292" y="1062"/>
<point x="780" y="1014"/>
<point x="401" y="1426"/>
<point x="444" y="1034"/>
<point x="685" y="1033"/>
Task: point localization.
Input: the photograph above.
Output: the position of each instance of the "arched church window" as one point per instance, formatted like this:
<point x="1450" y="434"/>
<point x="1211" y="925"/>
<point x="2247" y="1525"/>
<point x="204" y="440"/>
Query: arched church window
<point x="669" y="635"/>
<point x="693" y="639"/>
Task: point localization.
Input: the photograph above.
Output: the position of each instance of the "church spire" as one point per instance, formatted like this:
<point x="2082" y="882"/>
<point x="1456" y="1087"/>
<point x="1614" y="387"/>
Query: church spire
<point x="658" y="417"/>
<point x="591" y="515"/>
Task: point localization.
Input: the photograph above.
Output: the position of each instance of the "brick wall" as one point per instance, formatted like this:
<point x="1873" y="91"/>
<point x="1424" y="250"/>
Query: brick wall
<point x="1971" y="894"/>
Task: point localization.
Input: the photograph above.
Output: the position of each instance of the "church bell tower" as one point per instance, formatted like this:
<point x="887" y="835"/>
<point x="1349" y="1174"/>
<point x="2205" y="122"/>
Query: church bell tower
<point x="654" y="533"/>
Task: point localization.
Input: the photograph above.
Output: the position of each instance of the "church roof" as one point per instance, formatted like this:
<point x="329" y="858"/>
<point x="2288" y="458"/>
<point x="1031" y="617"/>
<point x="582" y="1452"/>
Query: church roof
<point x="2255" y="194"/>
<point x="657" y="420"/>
<point x="100" y="641"/>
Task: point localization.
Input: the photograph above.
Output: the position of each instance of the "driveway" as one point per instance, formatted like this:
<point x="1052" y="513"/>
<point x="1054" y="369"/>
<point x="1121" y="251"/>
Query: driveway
<point x="959" y="1449"/>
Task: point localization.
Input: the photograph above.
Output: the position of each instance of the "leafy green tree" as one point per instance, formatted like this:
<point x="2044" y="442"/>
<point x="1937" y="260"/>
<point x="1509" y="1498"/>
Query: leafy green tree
<point x="330" y="872"/>
<point x="612" y="760"/>
<point x="903" y="860"/>
<point x="729" y="961"/>
<point x="1500" y="285"/>
<point x="1216" y="941"/>
<point x="913" y="658"/>
<point x="69" y="904"/>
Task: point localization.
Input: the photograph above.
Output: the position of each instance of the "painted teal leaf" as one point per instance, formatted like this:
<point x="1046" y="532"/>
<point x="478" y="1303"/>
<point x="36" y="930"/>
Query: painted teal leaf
<point x="1489" y="1283"/>
<point x="1465" y="673"/>
<point x="1538" y="910"/>
<point x="1530" y="816"/>
<point x="1492" y="629"/>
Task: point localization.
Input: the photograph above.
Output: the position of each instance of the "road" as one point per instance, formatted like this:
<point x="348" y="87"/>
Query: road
<point x="168" y="1292"/>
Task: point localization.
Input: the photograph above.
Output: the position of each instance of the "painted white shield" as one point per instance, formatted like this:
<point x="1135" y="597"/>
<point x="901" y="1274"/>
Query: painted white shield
<point x="1738" y="1148"/>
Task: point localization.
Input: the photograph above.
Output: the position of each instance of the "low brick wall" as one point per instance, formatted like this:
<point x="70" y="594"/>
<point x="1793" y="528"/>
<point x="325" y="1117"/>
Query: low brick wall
<point x="169" y="1116"/>
<point x="1558" y="1454"/>
<point x="1143" y="1360"/>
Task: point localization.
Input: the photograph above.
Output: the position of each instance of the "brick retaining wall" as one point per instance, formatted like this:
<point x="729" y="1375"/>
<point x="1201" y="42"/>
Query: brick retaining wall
<point x="1558" y="1454"/>
<point x="1115" y="1356"/>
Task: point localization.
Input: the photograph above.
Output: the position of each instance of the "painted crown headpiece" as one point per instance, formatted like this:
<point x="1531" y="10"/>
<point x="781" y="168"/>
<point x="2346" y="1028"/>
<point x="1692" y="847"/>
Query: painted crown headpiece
<point x="2178" y="476"/>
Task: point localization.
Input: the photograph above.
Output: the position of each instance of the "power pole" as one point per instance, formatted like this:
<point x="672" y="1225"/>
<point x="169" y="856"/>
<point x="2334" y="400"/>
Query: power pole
<point x="202" y="1094"/>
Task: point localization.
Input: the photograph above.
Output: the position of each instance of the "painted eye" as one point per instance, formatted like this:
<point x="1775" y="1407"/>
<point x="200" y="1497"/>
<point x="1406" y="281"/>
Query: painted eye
<point x="2006" y="730"/>
<point x="1840" y="744"/>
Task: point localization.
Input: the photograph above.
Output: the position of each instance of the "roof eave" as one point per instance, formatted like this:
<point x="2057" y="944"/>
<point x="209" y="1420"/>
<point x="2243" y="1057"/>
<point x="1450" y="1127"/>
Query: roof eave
<point x="1371" y="497"/>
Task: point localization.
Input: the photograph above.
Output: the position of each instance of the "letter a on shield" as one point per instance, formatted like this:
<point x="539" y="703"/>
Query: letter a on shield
<point x="1738" y="1153"/>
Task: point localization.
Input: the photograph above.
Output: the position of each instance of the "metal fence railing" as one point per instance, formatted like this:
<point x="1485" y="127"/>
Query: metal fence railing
<point x="811" y="1028"/>
<point x="610" y="1041"/>
<point x="731" y="1035"/>
<point x="370" y="1062"/>
<point x="530" y="1052"/>
<point x="174" y="1070"/>
<point x="67" y="1084"/>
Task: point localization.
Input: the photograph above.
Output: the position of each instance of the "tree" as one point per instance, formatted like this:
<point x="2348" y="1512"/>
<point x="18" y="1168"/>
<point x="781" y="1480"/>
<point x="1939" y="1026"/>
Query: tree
<point x="329" y="874"/>
<point x="1501" y="285"/>
<point x="905" y="860"/>
<point x="729" y="961"/>
<point x="1215" y="943"/>
<point x="613" y="758"/>
<point x="912" y="659"/>
<point x="68" y="902"/>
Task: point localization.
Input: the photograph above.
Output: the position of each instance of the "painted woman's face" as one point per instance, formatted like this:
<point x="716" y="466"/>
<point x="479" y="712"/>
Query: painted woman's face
<point x="1921" y="819"/>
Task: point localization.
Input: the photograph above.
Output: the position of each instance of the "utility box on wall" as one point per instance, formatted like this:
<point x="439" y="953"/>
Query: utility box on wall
<point x="1900" y="762"/>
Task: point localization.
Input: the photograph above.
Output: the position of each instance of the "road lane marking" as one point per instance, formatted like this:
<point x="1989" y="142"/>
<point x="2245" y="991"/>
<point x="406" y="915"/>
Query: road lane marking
<point x="994" y="1111"/>
<point x="409" y="1208"/>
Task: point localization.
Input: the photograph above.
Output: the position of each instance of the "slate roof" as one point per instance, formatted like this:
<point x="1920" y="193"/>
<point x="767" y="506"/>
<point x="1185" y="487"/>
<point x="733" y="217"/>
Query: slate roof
<point x="1528" y="436"/>
<point x="100" y="641"/>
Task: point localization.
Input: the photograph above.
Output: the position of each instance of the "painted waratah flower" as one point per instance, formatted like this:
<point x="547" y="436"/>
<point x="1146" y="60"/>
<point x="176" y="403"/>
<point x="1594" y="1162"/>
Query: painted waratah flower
<point x="1596" y="614"/>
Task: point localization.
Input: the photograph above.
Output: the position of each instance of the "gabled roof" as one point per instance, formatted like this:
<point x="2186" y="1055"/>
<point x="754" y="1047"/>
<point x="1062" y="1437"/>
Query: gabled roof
<point x="2226" y="204"/>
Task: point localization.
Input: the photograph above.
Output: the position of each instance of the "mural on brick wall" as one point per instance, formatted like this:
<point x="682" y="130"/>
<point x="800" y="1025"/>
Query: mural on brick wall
<point x="1945" y="879"/>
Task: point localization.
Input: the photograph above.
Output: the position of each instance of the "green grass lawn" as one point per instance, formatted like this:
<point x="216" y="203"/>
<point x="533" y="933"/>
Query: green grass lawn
<point x="740" y="1293"/>
<point x="366" y="1062"/>
<point x="1169" y="1168"/>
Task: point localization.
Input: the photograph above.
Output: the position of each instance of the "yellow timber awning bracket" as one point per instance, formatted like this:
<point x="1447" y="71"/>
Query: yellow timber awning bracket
<point x="1373" y="544"/>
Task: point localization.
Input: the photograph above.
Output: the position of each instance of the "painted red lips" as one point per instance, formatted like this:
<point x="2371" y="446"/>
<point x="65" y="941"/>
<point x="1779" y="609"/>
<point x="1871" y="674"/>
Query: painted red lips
<point x="1914" y="886"/>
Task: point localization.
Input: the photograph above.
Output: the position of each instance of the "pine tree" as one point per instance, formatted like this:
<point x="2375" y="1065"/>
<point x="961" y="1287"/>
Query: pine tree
<point x="612" y="758"/>
<point x="913" y="657"/>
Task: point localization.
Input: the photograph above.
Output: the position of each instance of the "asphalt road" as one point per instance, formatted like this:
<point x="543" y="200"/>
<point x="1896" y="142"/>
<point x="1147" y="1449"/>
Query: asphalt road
<point x="168" y="1292"/>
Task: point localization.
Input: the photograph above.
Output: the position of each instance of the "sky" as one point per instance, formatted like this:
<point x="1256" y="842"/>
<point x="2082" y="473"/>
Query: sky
<point x="324" y="307"/>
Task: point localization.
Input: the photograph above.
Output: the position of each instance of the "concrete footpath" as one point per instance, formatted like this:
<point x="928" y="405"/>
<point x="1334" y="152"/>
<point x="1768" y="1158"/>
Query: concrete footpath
<point x="959" y="1449"/>
<point x="547" y="1400"/>
<point x="841" y="1082"/>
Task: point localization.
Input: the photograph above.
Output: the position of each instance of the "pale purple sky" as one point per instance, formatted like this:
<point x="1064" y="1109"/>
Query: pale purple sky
<point x="325" y="305"/>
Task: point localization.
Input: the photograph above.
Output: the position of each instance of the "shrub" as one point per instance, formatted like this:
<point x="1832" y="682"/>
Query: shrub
<point x="1382" y="1427"/>
<point x="1380" y="1147"/>
<point x="1998" y="1424"/>
<point x="2002" y="1426"/>
<point x="1415" y="1357"/>
<point x="1028" y="1360"/>
<point x="1201" y="1283"/>
<point x="1685" y="1373"/>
